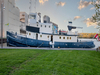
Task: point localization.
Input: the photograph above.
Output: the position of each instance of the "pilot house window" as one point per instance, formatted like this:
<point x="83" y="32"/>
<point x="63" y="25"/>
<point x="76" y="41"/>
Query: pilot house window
<point x="32" y="16"/>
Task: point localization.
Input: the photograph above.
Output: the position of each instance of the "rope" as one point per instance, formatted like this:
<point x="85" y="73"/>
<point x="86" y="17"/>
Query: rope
<point x="41" y="44"/>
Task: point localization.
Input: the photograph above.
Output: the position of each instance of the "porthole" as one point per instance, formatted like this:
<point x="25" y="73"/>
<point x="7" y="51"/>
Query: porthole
<point x="70" y="38"/>
<point x="59" y="37"/>
<point x="63" y="37"/>
<point x="29" y="33"/>
<point x="67" y="37"/>
<point x="40" y="35"/>
<point x="47" y="36"/>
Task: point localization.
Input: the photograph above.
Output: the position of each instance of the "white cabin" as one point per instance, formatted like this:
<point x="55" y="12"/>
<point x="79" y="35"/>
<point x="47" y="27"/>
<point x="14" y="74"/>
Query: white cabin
<point x="44" y="31"/>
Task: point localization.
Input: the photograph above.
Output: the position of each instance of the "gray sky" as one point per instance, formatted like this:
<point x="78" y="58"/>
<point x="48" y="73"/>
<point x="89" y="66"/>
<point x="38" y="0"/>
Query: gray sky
<point x="62" y="11"/>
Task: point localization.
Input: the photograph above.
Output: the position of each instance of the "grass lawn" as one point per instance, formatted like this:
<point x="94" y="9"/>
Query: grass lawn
<point x="49" y="62"/>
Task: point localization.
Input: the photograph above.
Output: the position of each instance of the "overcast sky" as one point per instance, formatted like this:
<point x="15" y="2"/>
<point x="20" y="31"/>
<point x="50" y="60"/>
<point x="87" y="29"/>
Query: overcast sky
<point x="62" y="11"/>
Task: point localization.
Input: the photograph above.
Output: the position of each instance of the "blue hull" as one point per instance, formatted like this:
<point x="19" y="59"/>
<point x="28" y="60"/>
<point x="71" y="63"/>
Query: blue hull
<point x="19" y="41"/>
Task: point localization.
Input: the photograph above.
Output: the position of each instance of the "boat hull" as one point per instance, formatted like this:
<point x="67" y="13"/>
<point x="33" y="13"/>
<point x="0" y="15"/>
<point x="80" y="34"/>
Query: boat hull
<point x="19" y="41"/>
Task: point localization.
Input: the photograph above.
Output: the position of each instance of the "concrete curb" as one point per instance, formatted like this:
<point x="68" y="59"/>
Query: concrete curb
<point x="91" y="49"/>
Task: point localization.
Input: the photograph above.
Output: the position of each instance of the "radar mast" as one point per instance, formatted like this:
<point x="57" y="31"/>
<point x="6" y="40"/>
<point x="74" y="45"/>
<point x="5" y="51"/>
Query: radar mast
<point x="30" y="7"/>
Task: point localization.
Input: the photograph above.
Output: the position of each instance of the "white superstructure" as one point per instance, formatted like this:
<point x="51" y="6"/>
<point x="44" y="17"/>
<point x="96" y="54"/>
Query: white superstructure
<point x="46" y="31"/>
<point x="34" y="20"/>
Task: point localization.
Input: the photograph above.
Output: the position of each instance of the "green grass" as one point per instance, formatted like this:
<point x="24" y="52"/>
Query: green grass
<point x="49" y="62"/>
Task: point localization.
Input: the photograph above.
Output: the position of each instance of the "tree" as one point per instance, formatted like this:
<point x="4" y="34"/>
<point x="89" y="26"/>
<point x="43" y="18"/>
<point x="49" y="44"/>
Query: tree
<point x="96" y="17"/>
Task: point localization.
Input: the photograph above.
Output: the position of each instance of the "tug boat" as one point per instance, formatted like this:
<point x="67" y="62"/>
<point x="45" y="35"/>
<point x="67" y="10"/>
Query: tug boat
<point x="40" y="35"/>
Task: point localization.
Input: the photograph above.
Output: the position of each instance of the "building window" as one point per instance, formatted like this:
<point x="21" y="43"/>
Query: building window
<point x="59" y="37"/>
<point x="40" y="35"/>
<point x="29" y="33"/>
<point x="67" y="37"/>
<point x="23" y="15"/>
<point x="63" y="37"/>
<point x="41" y="25"/>
<point x="47" y="36"/>
<point x="70" y="38"/>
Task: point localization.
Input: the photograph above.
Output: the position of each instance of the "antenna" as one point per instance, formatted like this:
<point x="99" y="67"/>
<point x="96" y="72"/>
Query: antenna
<point x="35" y="4"/>
<point x="30" y="6"/>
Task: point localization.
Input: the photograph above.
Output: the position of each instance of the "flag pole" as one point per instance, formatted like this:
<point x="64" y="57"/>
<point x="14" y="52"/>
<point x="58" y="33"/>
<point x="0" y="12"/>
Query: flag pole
<point x="2" y="26"/>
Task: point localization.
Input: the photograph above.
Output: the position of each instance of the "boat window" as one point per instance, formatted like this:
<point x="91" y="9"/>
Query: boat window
<point x="41" y="25"/>
<point x="37" y="25"/>
<point x="40" y="35"/>
<point x="45" y="25"/>
<point x="29" y="33"/>
<point x="67" y="37"/>
<point x="49" y="26"/>
<point x="63" y="37"/>
<point x="70" y="38"/>
<point x="59" y="37"/>
<point x="32" y="17"/>
<point x="47" y="36"/>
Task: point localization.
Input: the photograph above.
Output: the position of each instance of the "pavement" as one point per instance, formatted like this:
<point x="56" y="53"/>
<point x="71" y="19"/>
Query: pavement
<point x="91" y="49"/>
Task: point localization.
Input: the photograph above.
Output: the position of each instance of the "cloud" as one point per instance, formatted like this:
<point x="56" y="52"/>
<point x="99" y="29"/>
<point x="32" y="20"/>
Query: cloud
<point x="92" y="8"/>
<point x="77" y="17"/>
<point x="83" y="4"/>
<point x="90" y="22"/>
<point x="97" y="2"/>
<point x="60" y="4"/>
<point x="42" y="1"/>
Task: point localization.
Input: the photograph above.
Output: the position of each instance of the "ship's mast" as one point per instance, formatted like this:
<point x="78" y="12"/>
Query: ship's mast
<point x="35" y="5"/>
<point x="30" y="7"/>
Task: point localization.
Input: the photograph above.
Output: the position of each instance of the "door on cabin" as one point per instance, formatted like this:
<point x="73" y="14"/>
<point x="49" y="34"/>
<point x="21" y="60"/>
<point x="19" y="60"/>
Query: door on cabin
<point x="36" y="36"/>
<point x="51" y="38"/>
